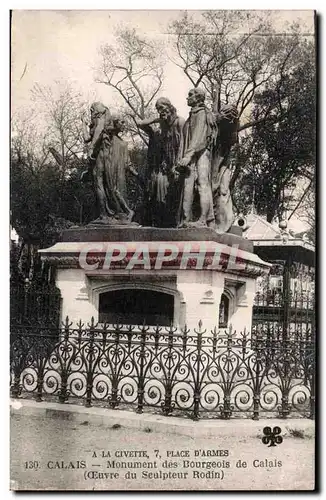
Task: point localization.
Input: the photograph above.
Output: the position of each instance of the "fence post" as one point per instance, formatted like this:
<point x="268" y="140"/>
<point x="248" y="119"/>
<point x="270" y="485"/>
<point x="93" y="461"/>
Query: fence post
<point x="197" y="381"/>
<point x="90" y="355"/>
<point x="167" y="407"/>
<point x="312" y="398"/>
<point x="285" y="409"/>
<point x="226" y="411"/>
<point x="63" y="394"/>
<point x="257" y="377"/>
<point x="113" y="399"/>
<point x="40" y="380"/>
<point x="141" y="381"/>
<point x="286" y="297"/>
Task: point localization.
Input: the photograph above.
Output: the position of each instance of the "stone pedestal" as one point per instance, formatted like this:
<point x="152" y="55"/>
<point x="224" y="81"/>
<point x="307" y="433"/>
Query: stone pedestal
<point x="194" y="266"/>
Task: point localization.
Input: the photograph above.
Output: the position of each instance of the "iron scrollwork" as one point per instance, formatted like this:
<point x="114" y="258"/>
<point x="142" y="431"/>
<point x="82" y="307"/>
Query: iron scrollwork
<point x="219" y="374"/>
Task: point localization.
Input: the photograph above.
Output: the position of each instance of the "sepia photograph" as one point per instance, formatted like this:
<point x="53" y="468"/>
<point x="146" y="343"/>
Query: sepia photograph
<point x="162" y="250"/>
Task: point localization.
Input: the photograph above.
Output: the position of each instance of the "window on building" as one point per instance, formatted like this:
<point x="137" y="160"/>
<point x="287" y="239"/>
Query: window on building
<point x="136" y="307"/>
<point x="224" y="312"/>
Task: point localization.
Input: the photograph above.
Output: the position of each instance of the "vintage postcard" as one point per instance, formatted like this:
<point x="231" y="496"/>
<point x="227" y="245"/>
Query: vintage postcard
<point x="162" y="255"/>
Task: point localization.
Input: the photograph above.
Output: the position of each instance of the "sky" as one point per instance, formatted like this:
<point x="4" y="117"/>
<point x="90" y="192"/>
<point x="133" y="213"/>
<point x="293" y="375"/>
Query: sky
<point x="63" y="45"/>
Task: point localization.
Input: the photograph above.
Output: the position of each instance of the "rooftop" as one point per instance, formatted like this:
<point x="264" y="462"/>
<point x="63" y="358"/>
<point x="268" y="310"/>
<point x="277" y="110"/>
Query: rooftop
<point x="271" y="242"/>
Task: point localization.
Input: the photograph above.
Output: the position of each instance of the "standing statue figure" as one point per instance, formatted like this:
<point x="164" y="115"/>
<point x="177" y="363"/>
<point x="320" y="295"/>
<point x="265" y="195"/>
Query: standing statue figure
<point x="227" y="122"/>
<point x="120" y="165"/>
<point x="108" y="160"/>
<point x="195" y="166"/>
<point x="165" y="144"/>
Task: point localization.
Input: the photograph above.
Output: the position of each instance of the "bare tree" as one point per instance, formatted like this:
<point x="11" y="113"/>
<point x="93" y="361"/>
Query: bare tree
<point x="239" y="58"/>
<point x="28" y="143"/>
<point x="133" y="67"/>
<point x="60" y="108"/>
<point x="29" y="154"/>
<point x="234" y="54"/>
<point x="51" y="129"/>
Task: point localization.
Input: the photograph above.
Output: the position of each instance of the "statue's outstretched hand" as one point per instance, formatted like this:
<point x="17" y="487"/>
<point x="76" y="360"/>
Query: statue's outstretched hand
<point x="147" y="121"/>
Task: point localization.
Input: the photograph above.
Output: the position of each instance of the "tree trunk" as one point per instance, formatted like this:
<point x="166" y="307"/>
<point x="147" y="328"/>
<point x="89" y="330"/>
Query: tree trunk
<point x="19" y="257"/>
<point x="31" y="262"/>
<point x="270" y="213"/>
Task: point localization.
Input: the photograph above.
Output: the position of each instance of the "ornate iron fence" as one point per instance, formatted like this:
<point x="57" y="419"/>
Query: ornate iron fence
<point x="200" y="374"/>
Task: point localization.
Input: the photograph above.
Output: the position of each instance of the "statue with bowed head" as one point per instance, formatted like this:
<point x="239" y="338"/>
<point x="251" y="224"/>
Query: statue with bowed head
<point x="108" y="160"/>
<point x="164" y="148"/>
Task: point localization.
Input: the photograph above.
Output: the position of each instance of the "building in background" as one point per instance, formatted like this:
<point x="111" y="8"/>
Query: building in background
<point x="285" y="299"/>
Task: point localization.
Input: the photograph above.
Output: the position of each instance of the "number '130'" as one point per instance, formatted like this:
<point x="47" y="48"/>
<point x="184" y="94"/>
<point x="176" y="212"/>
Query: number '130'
<point x="32" y="464"/>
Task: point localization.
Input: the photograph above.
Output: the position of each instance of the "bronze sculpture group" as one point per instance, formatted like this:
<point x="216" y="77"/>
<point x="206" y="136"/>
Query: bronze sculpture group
<point x="188" y="164"/>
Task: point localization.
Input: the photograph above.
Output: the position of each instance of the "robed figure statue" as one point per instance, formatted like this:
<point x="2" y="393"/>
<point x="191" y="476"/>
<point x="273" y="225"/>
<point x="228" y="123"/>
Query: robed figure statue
<point x="164" y="148"/>
<point x="195" y="165"/>
<point x="108" y="160"/>
<point x="227" y="136"/>
<point x="204" y="167"/>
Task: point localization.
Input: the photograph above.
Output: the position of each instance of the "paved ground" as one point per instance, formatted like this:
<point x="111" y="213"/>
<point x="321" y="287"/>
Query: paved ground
<point x="45" y="449"/>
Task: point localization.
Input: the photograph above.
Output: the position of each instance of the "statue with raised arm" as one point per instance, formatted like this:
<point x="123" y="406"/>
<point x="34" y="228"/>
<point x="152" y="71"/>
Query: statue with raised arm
<point x="165" y="143"/>
<point x="108" y="160"/>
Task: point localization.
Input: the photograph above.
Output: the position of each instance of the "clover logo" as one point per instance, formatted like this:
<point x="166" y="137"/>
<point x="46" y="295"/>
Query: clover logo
<point x="272" y="437"/>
